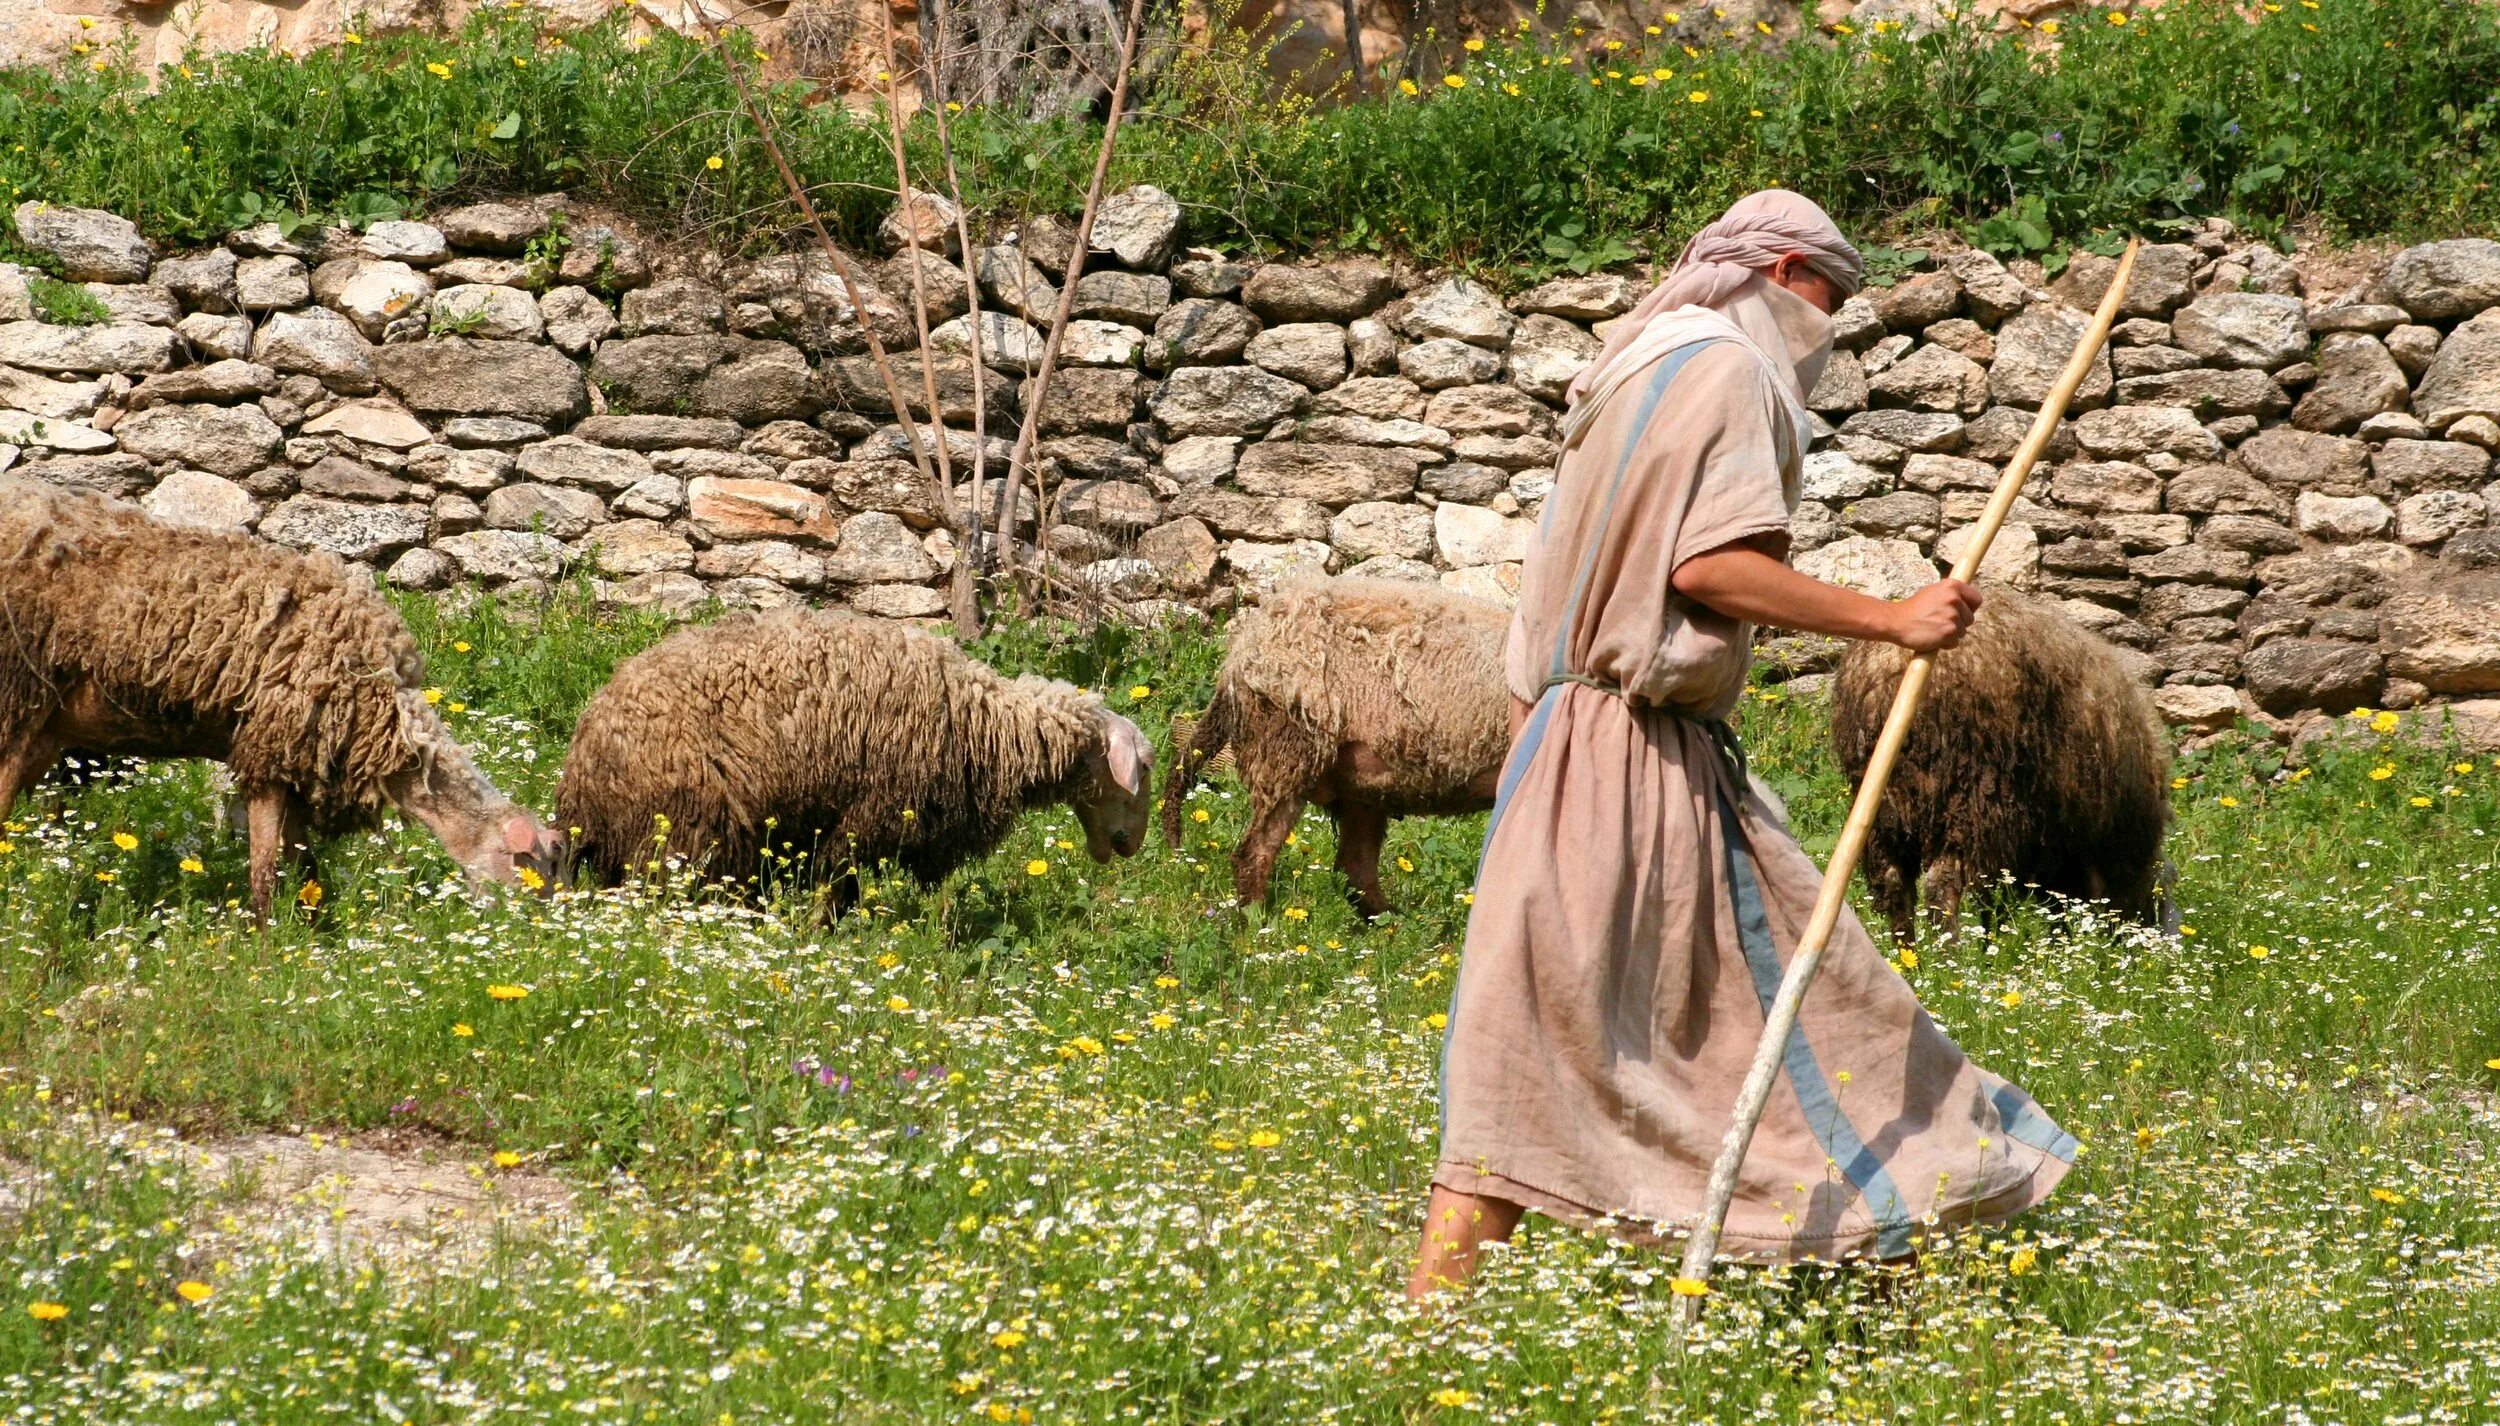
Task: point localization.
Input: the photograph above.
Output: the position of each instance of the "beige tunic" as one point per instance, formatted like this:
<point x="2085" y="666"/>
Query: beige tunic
<point x="1637" y="901"/>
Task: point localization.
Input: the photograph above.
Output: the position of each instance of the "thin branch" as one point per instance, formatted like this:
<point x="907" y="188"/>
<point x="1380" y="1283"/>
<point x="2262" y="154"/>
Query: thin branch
<point x="1025" y="435"/>
<point x="851" y="284"/>
<point x="933" y="78"/>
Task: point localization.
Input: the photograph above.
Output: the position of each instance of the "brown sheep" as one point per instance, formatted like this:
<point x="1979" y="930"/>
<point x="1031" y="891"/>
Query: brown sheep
<point x="119" y="635"/>
<point x="1372" y="698"/>
<point x="2035" y="754"/>
<point x="854" y="740"/>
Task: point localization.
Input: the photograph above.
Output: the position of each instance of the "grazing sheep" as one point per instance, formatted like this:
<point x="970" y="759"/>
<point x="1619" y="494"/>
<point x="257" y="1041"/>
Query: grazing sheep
<point x="119" y="635"/>
<point x="853" y="740"/>
<point x="2035" y="754"/>
<point x="1372" y="698"/>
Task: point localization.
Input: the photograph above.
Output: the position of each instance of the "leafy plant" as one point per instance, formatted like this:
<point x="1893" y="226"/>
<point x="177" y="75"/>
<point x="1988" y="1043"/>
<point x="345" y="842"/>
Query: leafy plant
<point x="65" y="304"/>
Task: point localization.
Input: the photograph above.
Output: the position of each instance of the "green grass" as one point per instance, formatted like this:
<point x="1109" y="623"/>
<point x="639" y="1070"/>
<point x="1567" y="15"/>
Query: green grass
<point x="1554" y="148"/>
<point x="1092" y="1145"/>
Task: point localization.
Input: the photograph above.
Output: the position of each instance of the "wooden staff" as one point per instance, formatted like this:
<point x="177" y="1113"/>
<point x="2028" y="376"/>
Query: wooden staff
<point x="1781" y="1020"/>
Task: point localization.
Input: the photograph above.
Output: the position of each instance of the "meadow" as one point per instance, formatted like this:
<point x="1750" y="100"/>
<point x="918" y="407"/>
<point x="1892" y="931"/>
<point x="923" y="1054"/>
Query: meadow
<point x="1064" y="1142"/>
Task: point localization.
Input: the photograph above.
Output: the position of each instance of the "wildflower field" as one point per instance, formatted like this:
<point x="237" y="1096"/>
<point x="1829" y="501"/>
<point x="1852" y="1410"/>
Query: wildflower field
<point x="1070" y="1143"/>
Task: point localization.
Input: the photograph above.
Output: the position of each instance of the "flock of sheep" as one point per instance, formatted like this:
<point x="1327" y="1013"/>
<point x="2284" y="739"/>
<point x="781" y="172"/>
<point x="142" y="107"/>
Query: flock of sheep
<point x="849" y="741"/>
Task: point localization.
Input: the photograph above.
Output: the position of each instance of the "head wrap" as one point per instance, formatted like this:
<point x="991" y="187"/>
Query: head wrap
<point x="1745" y="241"/>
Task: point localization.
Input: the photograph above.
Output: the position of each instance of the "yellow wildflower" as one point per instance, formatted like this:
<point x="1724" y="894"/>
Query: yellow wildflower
<point x="1688" y="1287"/>
<point x="2383" y="723"/>
<point x="1086" y="1045"/>
<point x="439" y="70"/>
<point x="1437" y="1020"/>
<point x="459" y="646"/>
<point x="308" y="895"/>
<point x="2010" y="999"/>
<point x="1142" y="690"/>
<point x="2023" y="1261"/>
<point x="193" y="1291"/>
<point x="1405" y="865"/>
<point x="1473" y="46"/>
<point x="713" y="162"/>
<point x="1454" y="81"/>
<point x="1198" y="816"/>
<point x="1008" y="1340"/>
<point x="2387" y="1195"/>
<point x="1407" y="88"/>
<point x="462" y="1030"/>
<point x="434" y="695"/>
<point x="2421" y="802"/>
<point x="506" y="1159"/>
<point x="507" y="992"/>
<point x="897" y="1004"/>
<point x="1698" y="96"/>
<point x="2382" y="772"/>
<point x="46" y="1311"/>
<point x="2118" y="17"/>
<point x="2228" y="801"/>
<point x="125" y="841"/>
<point x="1452" y="1396"/>
<point x="530" y="878"/>
<point x="1265" y="1138"/>
<point x="1037" y="867"/>
<point x="2258" y="953"/>
<point x="191" y="866"/>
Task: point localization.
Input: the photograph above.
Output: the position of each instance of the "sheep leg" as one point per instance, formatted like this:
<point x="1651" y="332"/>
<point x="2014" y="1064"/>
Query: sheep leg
<point x="277" y="823"/>
<point x="1254" y="861"/>
<point x="1360" y="831"/>
<point x="1893" y="885"/>
<point x="20" y="768"/>
<point x="1946" y="883"/>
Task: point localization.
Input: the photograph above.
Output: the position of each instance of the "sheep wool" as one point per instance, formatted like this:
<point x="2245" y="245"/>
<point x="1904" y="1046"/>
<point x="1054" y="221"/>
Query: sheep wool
<point x="2035" y="755"/>
<point x="286" y="666"/>
<point x="1375" y="698"/>
<point x="847" y="740"/>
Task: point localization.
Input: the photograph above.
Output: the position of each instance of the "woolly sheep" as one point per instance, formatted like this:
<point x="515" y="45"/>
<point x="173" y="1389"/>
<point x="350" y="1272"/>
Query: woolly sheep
<point x="852" y="740"/>
<point x="2035" y="755"/>
<point x="119" y="635"/>
<point x="1375" y="699"/>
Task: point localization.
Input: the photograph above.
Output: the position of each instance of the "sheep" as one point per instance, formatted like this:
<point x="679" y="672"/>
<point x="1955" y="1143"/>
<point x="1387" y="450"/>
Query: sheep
<point x="2035" y="754"/>
<point x="1373" y="698"/>
<point x="853" y="740"/>
<point x="119" y="635"/>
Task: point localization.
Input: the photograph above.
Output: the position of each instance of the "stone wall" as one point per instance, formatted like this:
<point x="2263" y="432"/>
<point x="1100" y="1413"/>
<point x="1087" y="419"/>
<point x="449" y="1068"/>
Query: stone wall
<point x="2279" y="505"/>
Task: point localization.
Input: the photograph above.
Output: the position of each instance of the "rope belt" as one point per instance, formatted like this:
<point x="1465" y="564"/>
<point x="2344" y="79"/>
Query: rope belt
<point x="1721" y="735"/>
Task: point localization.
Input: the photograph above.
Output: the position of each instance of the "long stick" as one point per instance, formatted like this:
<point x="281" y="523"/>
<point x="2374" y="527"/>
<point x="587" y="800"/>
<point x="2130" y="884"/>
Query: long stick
<point x="1703" y="1247"/>
<point x="971" y="560"/>
<point x="1023" y="453"/>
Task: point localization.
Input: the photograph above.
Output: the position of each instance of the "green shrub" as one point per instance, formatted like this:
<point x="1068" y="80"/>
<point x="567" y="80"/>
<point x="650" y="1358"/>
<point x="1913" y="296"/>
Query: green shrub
<point x="65" y="303"/>
<point x="1539" y="151"/>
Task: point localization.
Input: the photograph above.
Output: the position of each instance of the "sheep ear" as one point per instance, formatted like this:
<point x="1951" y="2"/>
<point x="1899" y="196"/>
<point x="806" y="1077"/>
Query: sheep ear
<point x="1128" y="756"/>
<point x="520" y="834"/>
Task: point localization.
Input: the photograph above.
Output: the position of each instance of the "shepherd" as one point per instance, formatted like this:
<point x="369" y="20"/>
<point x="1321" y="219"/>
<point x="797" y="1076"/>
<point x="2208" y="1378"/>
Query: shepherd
<point x="1637" y="898"/>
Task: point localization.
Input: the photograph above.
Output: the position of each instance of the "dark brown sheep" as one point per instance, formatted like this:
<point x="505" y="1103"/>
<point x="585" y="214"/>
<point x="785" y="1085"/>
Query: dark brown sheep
<point x="119" y="635"/>
<point x="1372" y="698"/>
<point x="853" y="740"/>
<point x="2035" y="755"/>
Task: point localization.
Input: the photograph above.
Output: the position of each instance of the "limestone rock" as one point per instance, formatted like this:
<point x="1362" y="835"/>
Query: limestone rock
<point x="2442" y="281"/>
<point x="60" y="400"/>
<point x="2258" y="330"/>
<point x="1201" y="331"/>
<point x="661" y="433"/>
<point x="2434" y="515"/>
<point x="202" y="280"/>
<point x="1138" y="226"/>
<point x="1264" y="566"/>
<point x="2446" y="638"/>
<point x="2013" y="556"/>
<point x="1200" y="460"/>
<point x="127" y="350"/>
<point x="371" y="294"/>
<point x="1841" y="387"/>
<point x="1488" y="410"/>
<point x="1134" y="299"/>
<point x="22" y="428"/>
<point x="722" y="509"/>
<point x="2209" y="393"/>
<point x="2126" y="432"/>
<point x="318" y="343"/>
<point x="85" y="244"/>
<point x="2286" y="675"/>
<point x="1373" y="528"/>
<point x="492" y="227"/>
<point x="777" y="560"/>
<point x="1108" y="505"/>
<point x="1917" y="303"/>
<point x="464" y="376"/>
<point x="1328" y="474"/>
<point x="505" y="556"/>
<point x="2357" y="379"/>
<point x="2302" y="460"/>
<point x="1183" y="552"/>
<point x="1008" y="342"/>
<point x="2462" y="381"/>
<point x="1989" y="292"/>
<point x="2422" y="465"/>
<point x="349" y="530"/>
<point x="1330" y="292"/>
<point x="1592" y="298"/>
<point x="1885" y="569"/>
<point x="564" y="513"/>
<point x="271" y="284"/>
<point x="2165" y="277"/>
<point x="201" y="501"/>
<point x="624" y="548"/>
<point x="2218" y="489"/>
<point x="217" y="338"/>
<point x="878" y="548"/>
<point x="1011" y="281"/>
<point x="1831" y="477"/>
<point x="921" y="220"/>
<point x="1233" y="515"/>
<point x="570" y="460"/>
<point x="1225" y="401"/>
<point x="1312" y="353"/>
<point x="1933" y="378"/>
<point x="1936" y="431"/>
<point x="1461" y="309"/>
<point x="575" y="319"/>
<point x="345" y="479"/>
<point x="223" y="440"/>
<point x="2107" y="486"/>
<point x="374" y="423"/>
<point x="1447" y="361"/>
<point x="1493" y="583"/>
<point x="1546" y="352"/>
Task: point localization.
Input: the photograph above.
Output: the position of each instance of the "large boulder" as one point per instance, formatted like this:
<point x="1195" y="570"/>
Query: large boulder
<point x="223" y="440"/>
<point x="1328" y="474"/>
<point x="2259" y="330"/>
<point x="2446" y="637"/>
<point x="1225" y="401"/>
<point x="2464" y="378"/>
<point x="128" y="350"/>
<point x="2441" y="281"/>
<point x="465" y="376"/>
<point x="85" y="244"/>
<point x="351" y="530"/>
<point x="1330" y="292"/>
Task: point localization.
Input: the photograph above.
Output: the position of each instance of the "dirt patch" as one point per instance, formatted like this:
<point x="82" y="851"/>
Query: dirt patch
<point x="386" y="1196"/>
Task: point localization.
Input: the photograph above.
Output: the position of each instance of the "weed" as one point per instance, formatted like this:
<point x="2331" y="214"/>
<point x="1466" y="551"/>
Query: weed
<point x="65" y="304"/>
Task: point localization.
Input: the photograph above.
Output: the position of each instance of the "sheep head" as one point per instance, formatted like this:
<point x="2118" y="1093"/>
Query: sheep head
<point x="1113" y="796"/>
<point x="492" y="837"/>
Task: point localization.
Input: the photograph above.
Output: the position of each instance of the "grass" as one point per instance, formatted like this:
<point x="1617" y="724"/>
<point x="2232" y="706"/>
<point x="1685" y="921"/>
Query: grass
<point x="1550" y="148"/>
<point x="1090" y="1145"/>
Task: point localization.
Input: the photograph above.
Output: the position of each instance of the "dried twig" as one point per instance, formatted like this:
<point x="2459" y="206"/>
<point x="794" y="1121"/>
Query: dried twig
<point x="965" y="606"/>
<point x="1040" y="399"/>
<point x="765" y="133"/>
<point x="968" y="560"/>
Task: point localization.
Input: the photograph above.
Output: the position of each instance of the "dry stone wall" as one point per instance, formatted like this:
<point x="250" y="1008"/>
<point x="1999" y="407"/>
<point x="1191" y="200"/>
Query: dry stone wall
<point x="2280" y="503"/>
